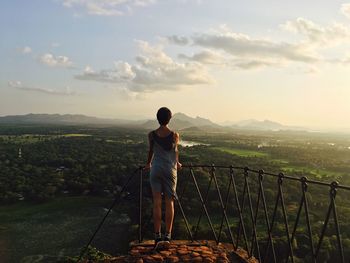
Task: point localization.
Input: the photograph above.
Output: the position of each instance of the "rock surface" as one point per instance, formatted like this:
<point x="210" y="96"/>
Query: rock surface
<point x="184" y="251"/>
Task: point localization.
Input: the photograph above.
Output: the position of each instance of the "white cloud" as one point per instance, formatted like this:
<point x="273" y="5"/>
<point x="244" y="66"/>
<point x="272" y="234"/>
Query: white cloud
<point x="331" y="35"/>
<point x="206" y="57"/>
<point x="345" y="10"/>
<point x="51" y="60"/>
<point x="241" y="45"/>
<point x="18" y="85"/>
<point x="209" y="57"/>
<point x="25" y="50"/>
<point x="253" y="64"/>
<point x="106" y="7"/>
<point x="121" y="72"/>
<point x="153" y="70"/>
<point x="224" y="47"/>
<point x="178" y="40"/>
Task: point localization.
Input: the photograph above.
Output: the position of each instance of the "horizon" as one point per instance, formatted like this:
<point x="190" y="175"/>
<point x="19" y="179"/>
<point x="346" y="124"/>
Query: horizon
<point x="228" y="61"/>
<point x="223" y="124"/>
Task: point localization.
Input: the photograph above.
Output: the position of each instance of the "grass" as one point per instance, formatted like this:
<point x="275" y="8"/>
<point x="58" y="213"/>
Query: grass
<point x="241" y="152"/>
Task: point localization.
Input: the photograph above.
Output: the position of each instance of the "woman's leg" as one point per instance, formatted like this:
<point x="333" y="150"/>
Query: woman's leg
<point x="157" y="211"/>
<point x="169" y="214"/>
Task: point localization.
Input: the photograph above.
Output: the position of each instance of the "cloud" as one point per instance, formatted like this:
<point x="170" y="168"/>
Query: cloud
<point x="345" y="10"/>
<point x="331" y="35"/>
<point x="106" y="7"/>
<point x="154" y="70"/>
<point x="18" y="85"/>
<point x="205" y="57"/>
<point x="212" y="58"/>
<point x="51" y="60"/>
<point x="121" y="72"/>
<point x="25" y="50"/>
<point x="252" y="64"/>
<point x="241" y="45"/>
<point x="224" y="47"/>
<point x="237" y="51"/>
<point x="178" y="40"/>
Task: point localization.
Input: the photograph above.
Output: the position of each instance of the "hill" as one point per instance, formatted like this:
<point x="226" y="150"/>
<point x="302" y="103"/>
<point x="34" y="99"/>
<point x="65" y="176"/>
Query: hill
<point x="180" y="121"/>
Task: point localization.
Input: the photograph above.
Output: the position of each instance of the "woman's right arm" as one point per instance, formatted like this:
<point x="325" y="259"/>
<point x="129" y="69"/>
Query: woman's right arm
<point x="150" y="152"/>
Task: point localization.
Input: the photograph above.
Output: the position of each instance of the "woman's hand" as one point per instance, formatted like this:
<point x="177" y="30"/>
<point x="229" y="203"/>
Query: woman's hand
<point x="147" y="166"/>
<point x="178" y="165"/>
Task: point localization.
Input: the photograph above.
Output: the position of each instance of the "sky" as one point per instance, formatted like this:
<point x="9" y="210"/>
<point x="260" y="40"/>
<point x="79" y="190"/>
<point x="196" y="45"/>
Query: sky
<point x="226" y="60"/>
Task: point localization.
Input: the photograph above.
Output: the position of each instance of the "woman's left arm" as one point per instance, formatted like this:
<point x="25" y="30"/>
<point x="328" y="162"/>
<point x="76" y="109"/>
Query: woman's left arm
<point x="150" y="152"/>
<point x="177" y="140"/>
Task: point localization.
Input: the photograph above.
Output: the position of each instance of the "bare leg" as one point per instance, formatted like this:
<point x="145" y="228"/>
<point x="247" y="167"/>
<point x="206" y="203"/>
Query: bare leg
<point x="169" y="214"/>
<point x="157" y="211"/>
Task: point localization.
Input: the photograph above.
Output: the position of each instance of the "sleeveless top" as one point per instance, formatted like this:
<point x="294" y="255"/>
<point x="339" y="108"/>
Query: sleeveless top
<point x="164" y="149"/>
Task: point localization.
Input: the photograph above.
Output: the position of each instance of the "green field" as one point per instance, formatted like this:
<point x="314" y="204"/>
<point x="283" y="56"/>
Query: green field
<point x="318" y="173"/>
<point x="241" y="152"/>
<point x="76" y="135"/>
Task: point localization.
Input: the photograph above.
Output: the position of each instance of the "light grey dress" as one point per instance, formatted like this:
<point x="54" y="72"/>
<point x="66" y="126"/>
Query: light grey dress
<point x="163" y="173"/>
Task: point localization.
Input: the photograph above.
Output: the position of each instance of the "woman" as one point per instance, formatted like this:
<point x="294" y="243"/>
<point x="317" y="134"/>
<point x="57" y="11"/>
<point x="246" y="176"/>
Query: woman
<point x="163" y="162"/>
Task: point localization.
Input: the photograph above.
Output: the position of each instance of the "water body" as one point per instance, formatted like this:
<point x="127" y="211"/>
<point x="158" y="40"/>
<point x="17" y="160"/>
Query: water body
<point x="191" y="143"/>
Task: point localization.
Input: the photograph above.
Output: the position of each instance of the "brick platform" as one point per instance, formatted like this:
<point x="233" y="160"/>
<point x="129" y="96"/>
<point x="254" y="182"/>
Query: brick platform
<point x="184" y="251"/>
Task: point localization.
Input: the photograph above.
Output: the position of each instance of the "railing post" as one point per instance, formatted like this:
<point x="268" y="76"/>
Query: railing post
<point x="203" y="204"/>
<point x="250" y="207"/>
<point x="269" y="226"/>
<point x="280" y="182"/>
<point x="331" y="208"/>
<point x="223" y="208"/>
<point x="183" y="212"/>
<point x="140" y="204"/>
<point x="333" y="193"/>
<point x="239" y="208"/>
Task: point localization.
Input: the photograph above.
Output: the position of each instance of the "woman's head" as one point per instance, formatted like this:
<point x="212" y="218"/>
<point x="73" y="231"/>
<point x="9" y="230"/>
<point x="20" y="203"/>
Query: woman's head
<point x="164" y="115"/>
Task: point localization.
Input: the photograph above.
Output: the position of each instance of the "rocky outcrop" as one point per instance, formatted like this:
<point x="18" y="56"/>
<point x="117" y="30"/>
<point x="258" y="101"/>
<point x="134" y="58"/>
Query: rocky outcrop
<point x="184" y="251"/>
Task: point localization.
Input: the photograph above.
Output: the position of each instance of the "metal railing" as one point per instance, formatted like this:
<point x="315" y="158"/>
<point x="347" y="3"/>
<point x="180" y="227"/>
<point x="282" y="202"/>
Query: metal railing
<point x="240" y="212"/>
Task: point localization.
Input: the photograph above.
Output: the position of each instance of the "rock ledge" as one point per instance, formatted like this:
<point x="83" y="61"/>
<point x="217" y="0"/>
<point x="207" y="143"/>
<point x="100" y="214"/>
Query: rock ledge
<point x="184" y="251"/>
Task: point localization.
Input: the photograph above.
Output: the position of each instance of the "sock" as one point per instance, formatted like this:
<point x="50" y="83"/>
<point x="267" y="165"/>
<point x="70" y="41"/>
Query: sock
<point x="168" y="235"/>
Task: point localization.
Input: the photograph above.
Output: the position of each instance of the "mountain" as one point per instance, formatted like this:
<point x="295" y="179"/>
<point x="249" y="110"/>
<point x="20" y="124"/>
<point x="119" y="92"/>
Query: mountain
<point x="62" y="119"/>
<point x="178" y="122"/>
<point x="198" y="121"/>
<point x="181" y="121"/>
<point x="265" y="125"/>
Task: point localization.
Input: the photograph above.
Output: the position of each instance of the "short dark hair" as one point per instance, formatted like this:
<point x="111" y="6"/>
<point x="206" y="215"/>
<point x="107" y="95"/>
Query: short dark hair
<point x="164" y="115"/>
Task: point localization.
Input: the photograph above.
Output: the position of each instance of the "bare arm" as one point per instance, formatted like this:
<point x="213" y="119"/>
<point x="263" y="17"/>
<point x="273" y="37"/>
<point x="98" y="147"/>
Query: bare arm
<point x="177" y="140"/>
<point x="150" y="152"/>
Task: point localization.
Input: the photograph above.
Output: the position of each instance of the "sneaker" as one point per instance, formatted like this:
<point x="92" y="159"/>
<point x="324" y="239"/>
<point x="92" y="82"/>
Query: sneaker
<point x="166" y="239"/>
<point x="166" y="242"/>
<point x="157" y="242"/>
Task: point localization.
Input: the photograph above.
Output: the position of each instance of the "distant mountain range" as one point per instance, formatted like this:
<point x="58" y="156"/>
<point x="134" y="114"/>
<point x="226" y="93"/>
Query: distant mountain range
<point x="180" y="121"/>
<point x="62" y="119"/>
<point x="253" y="124"/>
